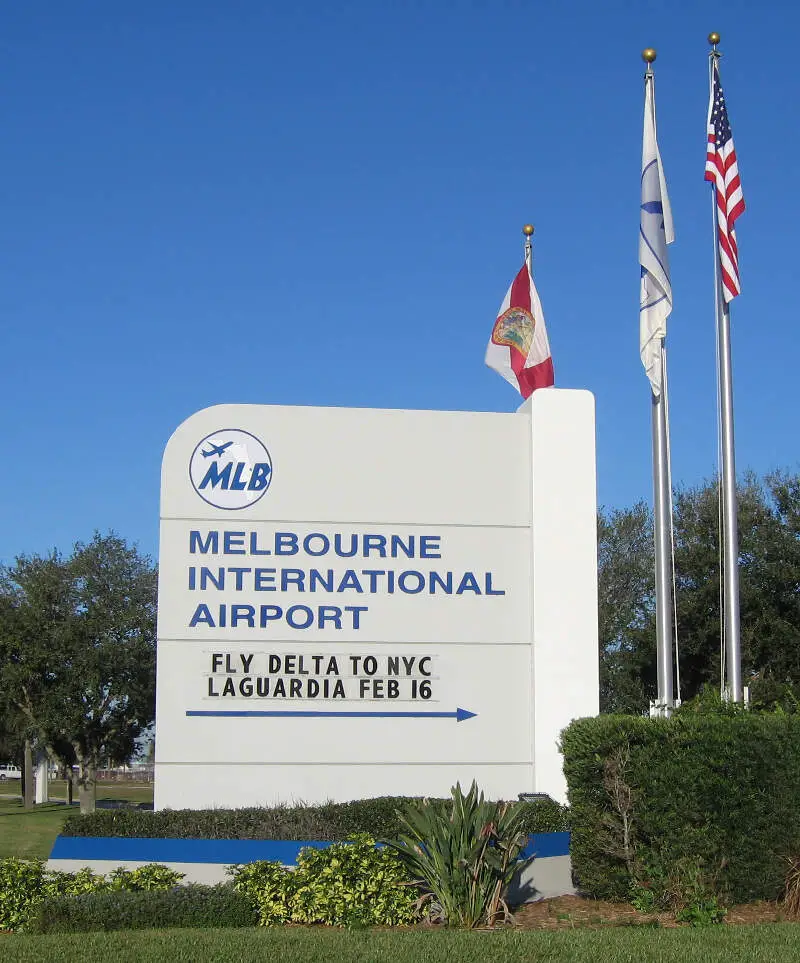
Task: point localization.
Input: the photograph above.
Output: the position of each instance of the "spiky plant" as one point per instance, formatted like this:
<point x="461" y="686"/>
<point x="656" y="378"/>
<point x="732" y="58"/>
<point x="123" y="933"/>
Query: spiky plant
<point x="463" y="854"/>
<point x="791" y="890"/>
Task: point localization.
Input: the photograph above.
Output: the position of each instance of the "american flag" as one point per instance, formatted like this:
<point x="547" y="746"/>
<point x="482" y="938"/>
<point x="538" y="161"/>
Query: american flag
<point x="723" y="170"/>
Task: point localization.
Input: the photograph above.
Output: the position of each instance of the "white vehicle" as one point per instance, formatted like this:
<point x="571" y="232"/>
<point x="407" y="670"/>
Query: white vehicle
<point x="10" y="772"/>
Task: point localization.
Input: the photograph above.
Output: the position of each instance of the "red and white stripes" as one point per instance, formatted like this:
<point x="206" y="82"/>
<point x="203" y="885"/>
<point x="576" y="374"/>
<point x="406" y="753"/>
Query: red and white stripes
<point x="518" y="349"/>
<point x="722" y="170"/>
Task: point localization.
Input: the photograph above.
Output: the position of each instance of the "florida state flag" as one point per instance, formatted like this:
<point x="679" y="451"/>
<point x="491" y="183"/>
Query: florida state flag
<point x="518" y="349"/>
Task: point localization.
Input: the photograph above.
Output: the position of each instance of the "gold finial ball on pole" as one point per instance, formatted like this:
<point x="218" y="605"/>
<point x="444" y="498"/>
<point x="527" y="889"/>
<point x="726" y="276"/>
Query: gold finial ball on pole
<point x="527" y="230"/>
<point x="713" y="39"/>
<point x="648" y="55"/>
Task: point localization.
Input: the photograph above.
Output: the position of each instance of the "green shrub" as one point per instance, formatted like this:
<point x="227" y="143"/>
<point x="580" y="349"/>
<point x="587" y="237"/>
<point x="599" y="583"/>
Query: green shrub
<point x="73" y="884"/>
<point x="347" y="884"/>
<point x="352" y="884"/>
<point x="268" y="886"/>
<point x="684" y="888"/>
<point x="463" y="854"/>
<point x="21" y="884"/>
<point x="334" y="822"/>
<point x="543" y="815"/>
<point x="192" y="905"/>
<point x="715" y="792"/>
<point x="24" y="884"/>
<point x="147" y="878"/>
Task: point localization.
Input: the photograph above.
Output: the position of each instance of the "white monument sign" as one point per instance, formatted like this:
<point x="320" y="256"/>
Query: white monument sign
<point x="359" y="602"/>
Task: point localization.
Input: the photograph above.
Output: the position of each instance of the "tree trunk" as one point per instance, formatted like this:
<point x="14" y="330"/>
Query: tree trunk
<point x="70" y="785"/>
<point x="86" y="796"/>
<point x="86" y="781"/>
<point x="27" y="788"/>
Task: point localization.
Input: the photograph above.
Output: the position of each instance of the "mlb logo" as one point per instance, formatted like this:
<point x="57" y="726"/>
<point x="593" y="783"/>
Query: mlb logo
<point x="230" y="469"/>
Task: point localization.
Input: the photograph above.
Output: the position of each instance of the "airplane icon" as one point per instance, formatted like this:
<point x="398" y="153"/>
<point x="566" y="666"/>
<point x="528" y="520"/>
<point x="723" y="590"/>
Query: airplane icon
<point x="216" y="450"/>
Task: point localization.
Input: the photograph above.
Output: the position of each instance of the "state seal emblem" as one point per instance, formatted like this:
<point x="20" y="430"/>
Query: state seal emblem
<point x="514" y="329"/>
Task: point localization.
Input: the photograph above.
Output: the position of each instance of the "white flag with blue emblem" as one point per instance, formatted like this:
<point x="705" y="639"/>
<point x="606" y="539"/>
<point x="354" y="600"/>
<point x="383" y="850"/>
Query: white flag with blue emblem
<point x="655" y="233"/>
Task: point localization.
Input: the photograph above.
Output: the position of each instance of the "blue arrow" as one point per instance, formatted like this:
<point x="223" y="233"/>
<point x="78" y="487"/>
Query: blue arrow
<point x="459" y="715"/>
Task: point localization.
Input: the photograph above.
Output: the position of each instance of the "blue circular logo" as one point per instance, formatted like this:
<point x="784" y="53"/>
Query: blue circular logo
<point x="230" y="469"/>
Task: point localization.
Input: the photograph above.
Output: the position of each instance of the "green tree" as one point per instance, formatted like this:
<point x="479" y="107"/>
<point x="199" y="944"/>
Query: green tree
<point x="77" y="652"/>
<point x="769" y="583"/>
<point x="769" y="566"/>
<point x="28" y="623"/>
<point x="626" y="599"/>
<point x="11" y="741"/>
<point x="11" y="725"/>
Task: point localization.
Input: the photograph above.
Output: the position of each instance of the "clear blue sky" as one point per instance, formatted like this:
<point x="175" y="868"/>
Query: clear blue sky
<point x="310" y="203"/>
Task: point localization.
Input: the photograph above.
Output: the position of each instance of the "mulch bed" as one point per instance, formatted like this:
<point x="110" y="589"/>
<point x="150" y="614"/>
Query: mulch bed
<point x="572" y="912"/>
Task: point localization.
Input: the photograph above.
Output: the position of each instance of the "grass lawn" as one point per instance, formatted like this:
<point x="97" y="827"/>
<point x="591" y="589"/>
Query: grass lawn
<point x="30" y="833"/>
<point x="775" y="943"/>
<point x="134" y="792"/>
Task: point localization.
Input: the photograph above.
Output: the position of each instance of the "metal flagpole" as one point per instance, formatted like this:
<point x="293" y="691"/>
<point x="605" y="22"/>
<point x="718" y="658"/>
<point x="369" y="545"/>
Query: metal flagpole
<point x="671" y="529"/>
<point x="730" y="521"/>
<point x="662" y="517"/>
<point x="662" y="507"/>
<point x="527" y="230"/>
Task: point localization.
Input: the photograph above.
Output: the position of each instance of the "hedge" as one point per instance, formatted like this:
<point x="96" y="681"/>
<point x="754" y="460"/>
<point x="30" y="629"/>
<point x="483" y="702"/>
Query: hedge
<point x="186" y="906"/>
<point x="334" y="822"/>
<point x="704" y="801"/>
<point x="25" y="884"/>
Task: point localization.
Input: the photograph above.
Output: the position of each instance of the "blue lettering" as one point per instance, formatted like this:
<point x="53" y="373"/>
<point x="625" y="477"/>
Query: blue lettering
<point x="264" y="580"/>
<point x="429" y="546"/>
<point x="349" y="581"/>
<point x="243" y="613"/>
<point x="446" y="583"/>
<point x="378" y="542"/>
<point x="285" y="543"/>
<point x="211" y="544"/>
<point x="356" y="610"/>
<point x="330" y="613"/>
<point x="293" y="576"/>
<point x="402" y="582"/>
<point x="192" y="580"/>
<point x="269" y="613"/>
<point x="237" y="485"/>
<point x="372" y="574"/>
<point x="233" y="543"/>
<point x="202" y="616"/>
<point x="254" y="549"/>
<point x="337" y="546"/>
<point x="239" y="573"/>
<point x="315" y="577"/>
<point x="304" y="609"/>
<point x="406" y="547"/>
<point x="489" y="589"/>
<point x="207" y="575"/>
<point x="324" y="541"/>
<point x="260" y="477"/>
<point x="468" y="584"/>
<point x="216" y="477"/>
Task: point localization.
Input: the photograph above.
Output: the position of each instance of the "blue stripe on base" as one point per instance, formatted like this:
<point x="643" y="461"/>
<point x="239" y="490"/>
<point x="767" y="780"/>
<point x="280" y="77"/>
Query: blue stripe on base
<point x="180" y="850"/>
<point x="231" y="851"/>
<point x="543" y="845"/>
